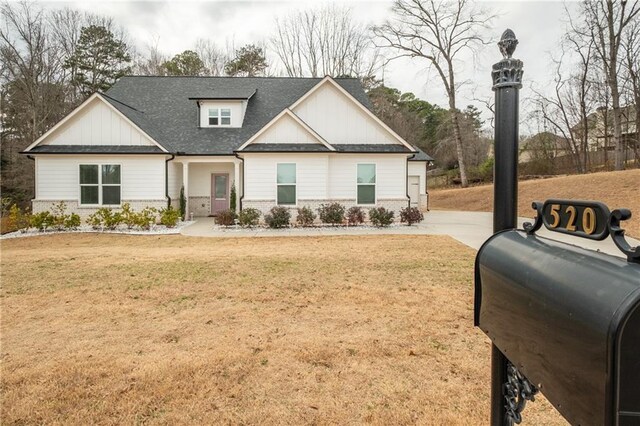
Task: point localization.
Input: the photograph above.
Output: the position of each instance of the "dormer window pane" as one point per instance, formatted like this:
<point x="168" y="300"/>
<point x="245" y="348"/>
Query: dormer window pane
<point x="225" y="116"/>
<point x="214" y="114"/>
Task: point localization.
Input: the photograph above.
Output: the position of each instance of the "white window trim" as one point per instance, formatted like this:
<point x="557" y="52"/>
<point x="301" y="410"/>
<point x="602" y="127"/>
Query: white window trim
<point x="219" y="110"/>
<point x="100" y="185"/>
<point x="375" y="184"/>
<point x="295" y="204"/>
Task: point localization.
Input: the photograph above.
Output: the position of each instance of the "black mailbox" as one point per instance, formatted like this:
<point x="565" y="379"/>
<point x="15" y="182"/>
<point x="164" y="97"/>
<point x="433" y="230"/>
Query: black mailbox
<point x="568" y="319"/>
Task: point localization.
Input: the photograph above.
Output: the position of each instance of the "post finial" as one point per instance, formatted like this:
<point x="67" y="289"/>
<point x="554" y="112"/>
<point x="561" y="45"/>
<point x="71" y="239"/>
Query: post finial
<point x="508" y="43"/>
<point x="507" y="72"/>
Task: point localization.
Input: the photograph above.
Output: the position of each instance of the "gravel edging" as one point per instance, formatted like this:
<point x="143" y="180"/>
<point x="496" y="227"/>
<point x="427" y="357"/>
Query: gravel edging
<point x="155" y="230"/>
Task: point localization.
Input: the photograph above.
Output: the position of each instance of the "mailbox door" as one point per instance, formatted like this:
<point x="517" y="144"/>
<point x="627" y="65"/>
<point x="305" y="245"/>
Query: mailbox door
<point x="628" y="369"/>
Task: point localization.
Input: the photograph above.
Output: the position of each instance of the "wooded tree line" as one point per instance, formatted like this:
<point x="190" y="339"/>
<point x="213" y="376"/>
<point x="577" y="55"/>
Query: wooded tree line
<point x="596" y="86"/>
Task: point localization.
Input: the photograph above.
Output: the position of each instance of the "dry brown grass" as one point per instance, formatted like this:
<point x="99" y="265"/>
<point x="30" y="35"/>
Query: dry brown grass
<point x="113" y="329"/>
<point x="616" y="189"/>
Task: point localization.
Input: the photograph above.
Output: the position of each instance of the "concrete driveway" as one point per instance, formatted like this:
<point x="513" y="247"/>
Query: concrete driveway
<point x="470" y="228"/>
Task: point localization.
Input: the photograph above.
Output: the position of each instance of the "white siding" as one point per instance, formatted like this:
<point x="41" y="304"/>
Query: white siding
<point x="97" y="124"/>
<point x="338" y="120"/>
<point x="419" y="168"/>
<point x="260" y="175"/>
<point x="286" y="130"/>
<point x="237" y="111"/>
<point x="175" y="179"/>
<point x="325" y="176"/>
<point x="390" y="175"/>
<point x="57" y="177"/>
<point x="200" y="177"/>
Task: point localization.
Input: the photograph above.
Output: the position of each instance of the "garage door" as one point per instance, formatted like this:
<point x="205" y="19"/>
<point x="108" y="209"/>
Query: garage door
<point x="414" y="190"/>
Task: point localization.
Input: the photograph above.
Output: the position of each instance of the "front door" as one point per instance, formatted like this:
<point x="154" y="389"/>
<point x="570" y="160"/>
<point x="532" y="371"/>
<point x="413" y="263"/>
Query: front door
<point x="219" y="192"/>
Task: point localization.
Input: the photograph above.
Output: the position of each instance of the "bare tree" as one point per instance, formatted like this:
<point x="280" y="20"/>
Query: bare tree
<point x="631" y="49"/>
<point x="152" y="62"/>
<point x="605" y="21"/>
<point x="212" y="56"/>
<point x="437" y="31"/>
<point x="325" y="41"/>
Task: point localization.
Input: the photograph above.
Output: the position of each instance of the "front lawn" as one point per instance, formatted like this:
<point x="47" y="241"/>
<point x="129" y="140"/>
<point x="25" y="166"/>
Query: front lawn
<point x="116" y="329"/>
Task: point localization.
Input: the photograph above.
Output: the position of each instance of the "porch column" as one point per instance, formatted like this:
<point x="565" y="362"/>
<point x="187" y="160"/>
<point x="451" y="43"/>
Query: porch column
<point x="236" y="182"/>
<point x="185" y="184"/>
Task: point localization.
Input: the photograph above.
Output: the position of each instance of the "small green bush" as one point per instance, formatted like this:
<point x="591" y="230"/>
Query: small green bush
<point x="59" y="216"/>
<point x="18" y="220"/>
<point x="355" y="216"/>
<point x="306" y="216"/>
<point x="42" y="221"/>
<point x="183" y="204"/>
<point x="226" y="218"/>
<point x="72" y="221"/>
<point x="278" y="217"/>
<point x="411" y="215"/>
<point x="104" y="218"/>
<point x="332" y="213"/>
<point x="146" y="218"/>
<point x="249" y="217"/>
<point x="381" y="217"/>
<point x="169" y="217"/>
<point x="128" y="216"/>
<point x="233" y="197"/>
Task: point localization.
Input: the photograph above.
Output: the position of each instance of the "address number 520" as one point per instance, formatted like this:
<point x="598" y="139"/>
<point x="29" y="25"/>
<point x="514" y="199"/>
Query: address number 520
<point x="589" y="218"/>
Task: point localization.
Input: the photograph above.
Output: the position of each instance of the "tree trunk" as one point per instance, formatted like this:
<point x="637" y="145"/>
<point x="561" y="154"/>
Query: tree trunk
<point x="459" y="149"/>
<point x="617" y="130"/>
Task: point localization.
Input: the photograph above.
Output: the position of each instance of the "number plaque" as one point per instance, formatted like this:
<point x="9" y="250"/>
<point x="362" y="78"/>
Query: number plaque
<point x="586" y="219"/>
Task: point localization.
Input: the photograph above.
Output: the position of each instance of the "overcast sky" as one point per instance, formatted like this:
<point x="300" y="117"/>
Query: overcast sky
<point x="175" y="26"/>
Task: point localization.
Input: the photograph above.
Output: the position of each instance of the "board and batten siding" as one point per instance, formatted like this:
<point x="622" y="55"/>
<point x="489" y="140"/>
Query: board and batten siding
<point x="58" y="176"/>
<point x="286" y="130"/>
<point x="325" y="176"/>
<point x="97" y="124"/>
<point x="174" y="178"/>
<point x="338" y="120"/>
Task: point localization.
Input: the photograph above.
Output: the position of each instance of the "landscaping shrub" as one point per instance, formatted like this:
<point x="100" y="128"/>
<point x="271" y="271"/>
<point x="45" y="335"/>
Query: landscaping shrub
<point x="306" y="216"/>
<point x="411" y="215"/>
<point x="42" y="221"/>
<point x="232" y="198"/>
<point x="146" y="218"/>
<point x="104" y="218"/>
<point x="226" y="218"/>
<point x="169" y="217"/>
<point x="278" y="217"/>
<point x="332" y="213"/>
<point x="183" y="204"/>
<point x="381" y="217"/>
<point x="72" y="221"/>
<point x="249" y="217"/>
<point x="58" y="215"/>
<point x="128" y="216"/>
<point x="355" y="216"/>
<point x="18" y="219"/>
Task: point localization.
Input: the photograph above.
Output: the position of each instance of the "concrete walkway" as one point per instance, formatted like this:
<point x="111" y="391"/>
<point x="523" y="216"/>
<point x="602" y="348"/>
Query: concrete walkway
<point x="470" y="228"/>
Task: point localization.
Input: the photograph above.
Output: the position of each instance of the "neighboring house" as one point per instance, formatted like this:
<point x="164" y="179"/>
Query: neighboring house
<point x="280" y="141"/>
<point x="542" y="146"/>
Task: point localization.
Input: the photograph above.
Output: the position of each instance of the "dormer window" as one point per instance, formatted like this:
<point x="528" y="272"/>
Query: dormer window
<point x="219" y="116"/>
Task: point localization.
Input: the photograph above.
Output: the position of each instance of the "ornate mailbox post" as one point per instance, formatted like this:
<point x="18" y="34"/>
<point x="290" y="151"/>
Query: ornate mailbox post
<point x="507" y="81"/>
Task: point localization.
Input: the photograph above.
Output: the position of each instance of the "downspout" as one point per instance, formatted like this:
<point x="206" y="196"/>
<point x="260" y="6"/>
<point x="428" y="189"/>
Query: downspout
<point x="426" y="181"/>
<point x="242" y="196"/>
<point x="166" y="179"/>
<point x="406" y="181"/>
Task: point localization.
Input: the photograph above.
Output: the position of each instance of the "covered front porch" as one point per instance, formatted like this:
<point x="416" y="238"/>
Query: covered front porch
<point x="208" y="183"/>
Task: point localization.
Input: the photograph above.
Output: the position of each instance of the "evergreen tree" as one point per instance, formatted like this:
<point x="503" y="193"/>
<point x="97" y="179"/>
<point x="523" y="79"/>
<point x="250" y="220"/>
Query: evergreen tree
<point x="185" y="63"/>
<point x="99" y="58"/>
<point x="248" y="62"/>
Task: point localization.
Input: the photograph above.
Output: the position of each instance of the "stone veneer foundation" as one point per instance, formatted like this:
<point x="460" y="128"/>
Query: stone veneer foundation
<point x="73" y="207"/>
<point x="199" y="206"/>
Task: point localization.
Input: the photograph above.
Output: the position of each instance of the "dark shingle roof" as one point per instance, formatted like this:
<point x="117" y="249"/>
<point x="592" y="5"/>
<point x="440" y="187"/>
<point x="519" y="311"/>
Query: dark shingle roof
<point x="161" y="107"/>
<point x="224" y="93"/>
<point x="95" y="149"/>
<point x="371" y="148"/>
<point x="421" y="156"/>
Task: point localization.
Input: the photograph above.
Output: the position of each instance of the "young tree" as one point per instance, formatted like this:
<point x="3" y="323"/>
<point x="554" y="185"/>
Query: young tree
<point x="99" y="59"/>
<point x="213" y="58"/>
<point x="605" y="22"/>
<point x="185" y="63"/>
<point x="248" y="62"/>
<point x="436" y="31"/>
<point x="152" y="63"/>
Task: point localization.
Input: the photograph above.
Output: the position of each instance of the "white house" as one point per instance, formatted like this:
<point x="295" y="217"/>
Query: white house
<point x="279" y="141"/>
